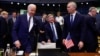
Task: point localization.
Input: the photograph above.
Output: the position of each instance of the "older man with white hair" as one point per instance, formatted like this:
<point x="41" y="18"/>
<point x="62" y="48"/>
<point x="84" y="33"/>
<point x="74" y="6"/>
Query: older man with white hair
<point x="25" y="31"/>
<point x="74" y="28"/>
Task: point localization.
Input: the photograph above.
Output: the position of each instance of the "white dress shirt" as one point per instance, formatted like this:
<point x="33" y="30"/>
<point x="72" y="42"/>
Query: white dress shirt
<point x="74" y="14"/>
<point x="31" y="22"/>
<point x="60" y="19"/>
<point x="14" y="19"/>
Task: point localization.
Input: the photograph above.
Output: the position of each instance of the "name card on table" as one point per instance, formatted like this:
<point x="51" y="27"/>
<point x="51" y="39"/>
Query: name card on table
<point x="46" y="46"/>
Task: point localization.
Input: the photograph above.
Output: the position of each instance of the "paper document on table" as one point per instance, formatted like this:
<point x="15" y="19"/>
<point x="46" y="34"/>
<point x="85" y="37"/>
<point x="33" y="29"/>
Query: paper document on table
<point x="46" y="46"/>
<point x="20" y="52"/>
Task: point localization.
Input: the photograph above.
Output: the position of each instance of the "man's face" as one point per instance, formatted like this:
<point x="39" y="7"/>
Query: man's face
<point x="14" y="14"/>
<point x="94" y="12"/>
<point x="5" y="16"/>
<point x="51" y="19"/>
<point x="70" y="8"/>
<point x="31" y="11"/>
<point x="58" y="13"/>
<point x="44" y="16"/>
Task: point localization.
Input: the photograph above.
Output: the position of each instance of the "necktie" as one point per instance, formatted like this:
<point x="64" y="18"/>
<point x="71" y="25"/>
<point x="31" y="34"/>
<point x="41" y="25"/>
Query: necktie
<point x="29" y="21"/>
<point x="71" y="19"/>
<point x="54" y="34"/>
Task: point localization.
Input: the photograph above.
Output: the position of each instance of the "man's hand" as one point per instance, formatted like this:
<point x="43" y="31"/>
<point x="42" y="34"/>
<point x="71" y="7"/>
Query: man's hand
<point x="80" y="45"/>
<point x="41" y="31"/>
<point x="17" y="43"/>
<point x="43" y="42"/>
<point x="63" y="41"/>
<point x="49" y="41"/>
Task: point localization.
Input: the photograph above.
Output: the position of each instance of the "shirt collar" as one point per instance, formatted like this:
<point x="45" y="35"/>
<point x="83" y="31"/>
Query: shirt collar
<point x="74" y="13"/>
<point x="28" y="16"/>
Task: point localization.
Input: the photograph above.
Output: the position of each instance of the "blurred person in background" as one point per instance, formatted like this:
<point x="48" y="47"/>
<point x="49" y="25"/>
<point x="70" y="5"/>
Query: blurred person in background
<point x="42" y="22"/>
<point x="91" y="42"/>
<point x="53" y="31"/>
<point x="11" y="22"/>
<point x="3" y="29"/>
<point x="60" y="19"/>
<point x="98" y="21"/>
<point x="0" y="11"/>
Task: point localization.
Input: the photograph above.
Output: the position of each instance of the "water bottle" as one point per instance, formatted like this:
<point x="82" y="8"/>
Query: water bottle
<point x="7" y="51"/>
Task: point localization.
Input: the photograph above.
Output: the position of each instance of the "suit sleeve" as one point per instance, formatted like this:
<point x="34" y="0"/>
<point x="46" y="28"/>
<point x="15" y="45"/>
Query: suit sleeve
<point x="47" y="32"/>
<point x="64" y="33"/>
<point x="83" y="28"/>
<point x="60" y="31"/>
<point x="92" y="24"/>
<point x="3" y="27"/>
<point x="15" y="29"/>
<point x="9" y="26"/>
<point x="0" y="28"/>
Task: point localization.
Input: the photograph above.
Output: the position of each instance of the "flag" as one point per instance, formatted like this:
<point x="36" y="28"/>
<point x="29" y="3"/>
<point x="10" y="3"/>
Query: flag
<point x="68" y="42"/>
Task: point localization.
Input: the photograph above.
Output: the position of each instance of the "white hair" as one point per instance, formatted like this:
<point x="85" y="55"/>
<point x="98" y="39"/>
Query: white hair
<point x="73" y="3"/>
<point x="31" y="5"/>
<point x="91" y="8"/>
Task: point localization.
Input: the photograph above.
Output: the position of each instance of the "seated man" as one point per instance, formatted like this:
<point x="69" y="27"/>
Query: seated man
<point x="53" y="30"/>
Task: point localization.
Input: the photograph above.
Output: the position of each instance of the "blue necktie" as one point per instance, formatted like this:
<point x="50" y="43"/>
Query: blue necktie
<point x="54" y="35"/>
<point x="71" y="19"/>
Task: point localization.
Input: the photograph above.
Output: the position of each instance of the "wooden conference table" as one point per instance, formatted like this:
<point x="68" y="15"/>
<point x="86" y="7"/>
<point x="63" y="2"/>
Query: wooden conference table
<point x="81" y="54"/>
<point x="84" y="54"/>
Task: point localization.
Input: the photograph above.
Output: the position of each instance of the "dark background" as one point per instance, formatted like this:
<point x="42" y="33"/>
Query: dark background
<point x="43" y="8"/>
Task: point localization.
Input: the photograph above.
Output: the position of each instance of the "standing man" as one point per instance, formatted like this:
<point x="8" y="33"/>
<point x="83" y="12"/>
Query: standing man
<point x="53" y="31"/>
<point x="74" y="27"/>
<point x="3" y="29"/>
<point x="91" y="42"/>
<point x="25" y="31"/>
<point x="42" y="35"/>
<point x="11" y="22"/>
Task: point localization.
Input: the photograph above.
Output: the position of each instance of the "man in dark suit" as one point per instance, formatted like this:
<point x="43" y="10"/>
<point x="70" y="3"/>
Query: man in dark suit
<point x="53" y="31"/>
<point x="25" y="31"/>
<point x="11" y="22"/>
<point x="75" y="25"/>
<point x="91" y="42"/>
<point x="42" y="22"/>
<point x="3" y="29"/>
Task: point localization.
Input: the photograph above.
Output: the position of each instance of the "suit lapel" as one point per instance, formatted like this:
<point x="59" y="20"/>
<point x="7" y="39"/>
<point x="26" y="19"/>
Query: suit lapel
<point x="68" y="20"/>
<point x="12" y="21"/>
<point x="26" y="21"/>
<point x="34" y="23"/>
<point x="75" y="20"/>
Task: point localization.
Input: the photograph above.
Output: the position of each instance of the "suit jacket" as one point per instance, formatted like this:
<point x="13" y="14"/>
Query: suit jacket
<point x="77" y="29"/>
<point x="10" y="23"/>
<point x="42" y="36"/>
<point x="91" y="30"/>
<point x="20" y="31"/>
<point x="98" y="22"/>
<point x="49" y="33"/>
<point x="10" y="27"/>
<point x="3" y="31"/>
<point x="3" y="27"/>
